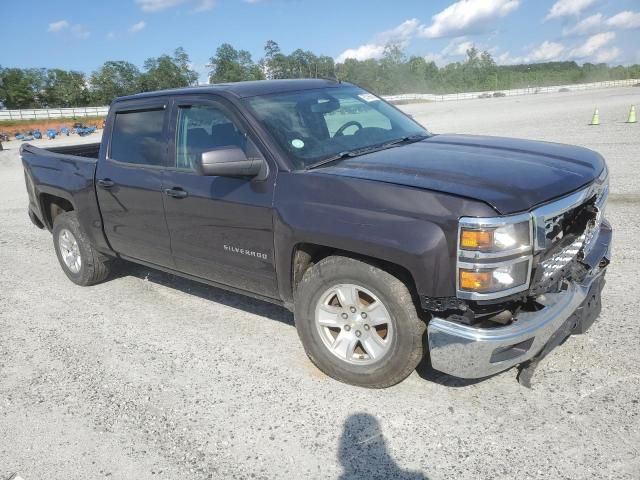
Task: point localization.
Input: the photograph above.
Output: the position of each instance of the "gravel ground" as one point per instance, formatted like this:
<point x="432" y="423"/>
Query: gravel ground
<point x="152" y="376"/>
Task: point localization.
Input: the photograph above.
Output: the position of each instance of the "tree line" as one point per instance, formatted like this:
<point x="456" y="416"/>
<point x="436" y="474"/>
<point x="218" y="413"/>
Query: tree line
<point x="53" y="88"/>
<point x="393" y="73"/>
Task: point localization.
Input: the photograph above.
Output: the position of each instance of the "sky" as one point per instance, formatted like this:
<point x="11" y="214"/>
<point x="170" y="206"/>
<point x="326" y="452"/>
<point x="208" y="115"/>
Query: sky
<point x="82" y="35"/>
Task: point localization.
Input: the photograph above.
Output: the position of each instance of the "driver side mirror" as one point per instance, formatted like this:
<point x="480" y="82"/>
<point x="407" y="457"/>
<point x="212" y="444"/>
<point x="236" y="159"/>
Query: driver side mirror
<point x="229" y="161"/>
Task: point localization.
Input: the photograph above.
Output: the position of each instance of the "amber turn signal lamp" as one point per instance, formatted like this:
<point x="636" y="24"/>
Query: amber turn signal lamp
<point x="470" y="280"/>
<point x="476" y="239"/>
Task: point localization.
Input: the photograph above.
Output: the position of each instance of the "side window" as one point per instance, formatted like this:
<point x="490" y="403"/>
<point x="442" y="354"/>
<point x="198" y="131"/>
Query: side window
<point x="206" y="127"/>
<point x="353" y="110"/>
<point x="137" y="137"/>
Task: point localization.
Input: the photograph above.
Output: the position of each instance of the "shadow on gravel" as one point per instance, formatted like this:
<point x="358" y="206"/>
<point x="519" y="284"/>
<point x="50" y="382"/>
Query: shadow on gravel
<point x="363" y="452"/>
<point x="213" y="294"/>
<point x="256" y="307"/>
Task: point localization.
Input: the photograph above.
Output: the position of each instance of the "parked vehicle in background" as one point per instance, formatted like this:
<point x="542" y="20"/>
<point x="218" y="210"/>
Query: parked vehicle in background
<point x="386" y="241"/>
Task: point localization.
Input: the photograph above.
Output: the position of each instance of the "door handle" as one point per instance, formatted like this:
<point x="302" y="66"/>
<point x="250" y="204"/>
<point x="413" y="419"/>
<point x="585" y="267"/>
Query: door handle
<point x="106" y="183"/>
<point x="176" y="192"/>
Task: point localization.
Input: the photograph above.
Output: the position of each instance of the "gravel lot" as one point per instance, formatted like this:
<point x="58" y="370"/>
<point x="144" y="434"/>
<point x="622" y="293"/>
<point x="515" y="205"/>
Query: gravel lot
<point x="152" y="376"/>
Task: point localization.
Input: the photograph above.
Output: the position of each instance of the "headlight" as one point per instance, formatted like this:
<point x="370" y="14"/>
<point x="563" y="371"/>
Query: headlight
<point x="494" y="256"/>
<point x="495" y="239"/>
<point x="494" y="279"/>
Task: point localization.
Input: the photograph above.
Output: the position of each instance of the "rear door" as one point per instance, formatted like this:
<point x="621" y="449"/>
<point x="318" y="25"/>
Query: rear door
<point x="129" y="181"/>
<point x="221" y="228"/>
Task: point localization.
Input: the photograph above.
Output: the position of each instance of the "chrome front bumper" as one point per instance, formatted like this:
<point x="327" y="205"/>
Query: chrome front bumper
<point x="470" y="352"/>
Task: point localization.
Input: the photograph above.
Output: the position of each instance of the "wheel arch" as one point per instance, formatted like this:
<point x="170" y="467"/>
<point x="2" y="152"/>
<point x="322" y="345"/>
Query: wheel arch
<point x="304" y="255"/>
<point x="52" y="205"/>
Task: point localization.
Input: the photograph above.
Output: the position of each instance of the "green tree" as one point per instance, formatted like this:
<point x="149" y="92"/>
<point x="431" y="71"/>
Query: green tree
<point x="168" y="72"/>
<point x="114" y="79"/>
<point x="22" y="88"/>
<point x="231" y="65"/>
<point x="275" y="63"/>
<point x="65" y="89"/>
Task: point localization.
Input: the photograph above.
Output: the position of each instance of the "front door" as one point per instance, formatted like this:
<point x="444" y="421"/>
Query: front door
<point x="221" y="228"/>
<point x="129" y="183"/>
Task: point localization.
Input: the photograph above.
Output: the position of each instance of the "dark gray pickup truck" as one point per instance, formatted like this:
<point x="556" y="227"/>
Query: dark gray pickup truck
<point x="388" y="242"/>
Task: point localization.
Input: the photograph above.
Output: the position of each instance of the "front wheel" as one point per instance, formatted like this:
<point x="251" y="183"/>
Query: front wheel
<point x="358" y="323"/>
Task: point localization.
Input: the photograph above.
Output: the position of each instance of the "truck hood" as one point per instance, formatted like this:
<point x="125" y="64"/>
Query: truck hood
<point x="511" y="175"/>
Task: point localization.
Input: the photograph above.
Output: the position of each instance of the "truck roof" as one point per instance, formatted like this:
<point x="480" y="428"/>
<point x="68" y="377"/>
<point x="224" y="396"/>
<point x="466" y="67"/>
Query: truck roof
<point x="244" y="89"/>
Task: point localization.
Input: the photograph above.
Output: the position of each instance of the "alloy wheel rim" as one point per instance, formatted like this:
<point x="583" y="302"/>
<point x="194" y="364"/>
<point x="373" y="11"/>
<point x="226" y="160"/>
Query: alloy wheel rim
<point x="69" y="250"/>
<point x="354" y="324"/>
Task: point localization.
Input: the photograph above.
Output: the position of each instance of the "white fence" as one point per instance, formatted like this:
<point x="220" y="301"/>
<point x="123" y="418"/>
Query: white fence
<point x="428" y="97"/>
<point x="43" y="114"/>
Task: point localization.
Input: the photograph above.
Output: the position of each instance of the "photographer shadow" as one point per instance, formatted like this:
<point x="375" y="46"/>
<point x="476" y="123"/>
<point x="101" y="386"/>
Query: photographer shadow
<point x="363" y="452"/>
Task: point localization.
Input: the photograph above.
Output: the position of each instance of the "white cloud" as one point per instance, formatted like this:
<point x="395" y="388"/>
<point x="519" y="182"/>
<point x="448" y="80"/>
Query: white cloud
<point x="136" y="27"/>
<point x="467" y="16"/>
<point x="401" y="35"/>
<point x="592" y="45"/>
<point x="455" y="50"/>
<point x="545" y="52"/>
<point x="457" y="47"/>
<point x="364" y="52"/>
<point x="57" y="26"/>
<point x="606" y="55"/>
<point x="595" y="49"/>
<point x="159" y="5"/>
<point x="461" y="16"/>
<point x="596" y="23"/>
<point x="625" y="20"/>
<point x="79" y="31"/>
<point x="588" y="25"/>
<point x="568" y="8"/>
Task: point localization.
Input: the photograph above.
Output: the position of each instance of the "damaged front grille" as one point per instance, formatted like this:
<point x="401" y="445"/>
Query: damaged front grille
<point x="567" y="238"/>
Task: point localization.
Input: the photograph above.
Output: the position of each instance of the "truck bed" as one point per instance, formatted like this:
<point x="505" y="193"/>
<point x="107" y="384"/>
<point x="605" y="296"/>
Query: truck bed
<point x="86" y="150"/>
<point x="66" y="176"/>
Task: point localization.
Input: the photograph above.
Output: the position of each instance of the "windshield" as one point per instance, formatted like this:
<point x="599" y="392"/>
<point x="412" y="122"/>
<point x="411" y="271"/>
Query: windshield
<point x="313" y="125"/>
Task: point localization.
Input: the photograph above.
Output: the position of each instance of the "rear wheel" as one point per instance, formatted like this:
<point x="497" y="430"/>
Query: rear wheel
<point x="82" y="264"/>
<point x="358" y="323"/>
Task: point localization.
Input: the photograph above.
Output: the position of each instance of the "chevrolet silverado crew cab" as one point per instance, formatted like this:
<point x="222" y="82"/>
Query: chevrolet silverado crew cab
<point x="387" y="242"/>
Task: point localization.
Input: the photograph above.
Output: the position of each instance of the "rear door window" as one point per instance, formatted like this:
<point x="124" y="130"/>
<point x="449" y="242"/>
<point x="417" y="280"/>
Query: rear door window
<point x="137" y="137"/>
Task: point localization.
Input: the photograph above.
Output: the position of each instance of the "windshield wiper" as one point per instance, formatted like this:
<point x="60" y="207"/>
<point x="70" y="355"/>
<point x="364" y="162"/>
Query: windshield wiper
<point x="333" y="158"/>
<point x="364" y="151"/>
<point x="408" y="139"/>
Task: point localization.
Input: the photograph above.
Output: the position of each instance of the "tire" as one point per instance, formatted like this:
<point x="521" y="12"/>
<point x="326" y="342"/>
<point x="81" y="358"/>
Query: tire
<point x="399" y="348"/>
<point x="68" y="237"/>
